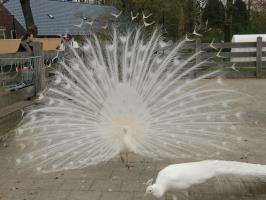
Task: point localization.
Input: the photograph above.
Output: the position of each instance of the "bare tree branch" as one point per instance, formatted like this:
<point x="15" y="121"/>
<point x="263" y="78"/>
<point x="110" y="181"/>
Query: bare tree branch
<point x="3" y="1"/>
<point x="27" y="13"/>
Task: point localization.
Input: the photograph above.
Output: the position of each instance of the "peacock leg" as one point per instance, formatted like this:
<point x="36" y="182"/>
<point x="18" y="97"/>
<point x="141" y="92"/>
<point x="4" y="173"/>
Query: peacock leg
<point x="174" y="197"/>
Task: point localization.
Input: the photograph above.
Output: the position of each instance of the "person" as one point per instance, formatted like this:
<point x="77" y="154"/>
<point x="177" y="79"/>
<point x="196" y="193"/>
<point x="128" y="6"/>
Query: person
<point x="71" y="41"/>
<point x="26" y="43"/>
<point x="61" y="46"/>
<point x="67" y="40"/>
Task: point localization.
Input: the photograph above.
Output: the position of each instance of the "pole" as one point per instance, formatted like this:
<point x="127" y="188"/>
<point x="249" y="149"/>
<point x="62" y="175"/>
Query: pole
<point x="14" y="28"/>
<point x="259" y="58"/>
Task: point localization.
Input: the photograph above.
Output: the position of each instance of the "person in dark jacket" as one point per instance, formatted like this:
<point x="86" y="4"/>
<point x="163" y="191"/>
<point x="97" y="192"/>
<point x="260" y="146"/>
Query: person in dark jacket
<point x="26" y="70"/>
<point x="26" y="43"/>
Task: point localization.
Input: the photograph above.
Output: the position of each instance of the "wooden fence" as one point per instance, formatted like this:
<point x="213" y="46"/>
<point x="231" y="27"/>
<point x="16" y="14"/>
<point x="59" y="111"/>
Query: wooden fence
<point x="225" y="60"/>
<point x="21" y="59"/>
<point x="245" y="59"/>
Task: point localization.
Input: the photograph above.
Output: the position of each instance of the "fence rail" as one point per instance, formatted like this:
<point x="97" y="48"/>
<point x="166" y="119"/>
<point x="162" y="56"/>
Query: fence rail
<point x="248" y="57"/>
<point x="245" y="59"/>
<point x="19" y="70"/>
<point x="225" y="45"/>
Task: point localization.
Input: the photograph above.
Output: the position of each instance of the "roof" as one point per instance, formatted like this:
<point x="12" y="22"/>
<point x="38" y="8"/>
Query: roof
<point x="54" y="17"/>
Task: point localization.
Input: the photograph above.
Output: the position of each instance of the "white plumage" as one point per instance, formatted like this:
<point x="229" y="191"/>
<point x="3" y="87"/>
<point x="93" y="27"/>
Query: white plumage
<point x="126" y="94"/>
<point x="180" y="177"/>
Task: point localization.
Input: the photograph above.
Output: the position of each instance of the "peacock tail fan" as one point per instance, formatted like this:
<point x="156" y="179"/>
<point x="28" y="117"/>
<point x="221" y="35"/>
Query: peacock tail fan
<point x="134" y="92"/>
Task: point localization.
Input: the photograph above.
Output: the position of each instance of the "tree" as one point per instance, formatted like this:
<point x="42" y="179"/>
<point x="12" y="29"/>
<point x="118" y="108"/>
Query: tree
<point x="202" y="3"/>
<point x="3" y="1"/>
<point x="192" y="14"/>
<point x="259" y="5"/>
<point x="176" y="16"/>
<point x="257" y="17"/>
<point x="240" y="17"/>
<point x="213" y="15"/>
<point x="228" y="21"/>
<point x="249" y="9"/>
<point x="214" y="12"/>
<point x="27" y="13"/>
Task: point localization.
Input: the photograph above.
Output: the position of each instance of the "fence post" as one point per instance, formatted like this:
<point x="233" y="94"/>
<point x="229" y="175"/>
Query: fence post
<point x="39" y="76"/>
<point x="198" y="48"/>
<point x="259" y="58"/>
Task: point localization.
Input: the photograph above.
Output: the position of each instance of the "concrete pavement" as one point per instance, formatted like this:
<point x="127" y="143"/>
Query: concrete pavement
<point x="113" y="181"/>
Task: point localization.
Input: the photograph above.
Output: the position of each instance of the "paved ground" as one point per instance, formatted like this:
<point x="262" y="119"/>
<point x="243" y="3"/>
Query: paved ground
<point x="10" y="116"/>
<point x="112" y="181"/>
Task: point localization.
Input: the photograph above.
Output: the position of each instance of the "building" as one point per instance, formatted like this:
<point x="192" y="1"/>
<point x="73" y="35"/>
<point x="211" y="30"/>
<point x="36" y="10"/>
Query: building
<point x="9" y="25"/>
<point x="55" y="17"/>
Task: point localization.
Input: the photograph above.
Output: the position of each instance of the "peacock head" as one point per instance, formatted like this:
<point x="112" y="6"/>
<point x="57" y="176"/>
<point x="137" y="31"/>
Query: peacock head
<point x="155" y="190"/>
